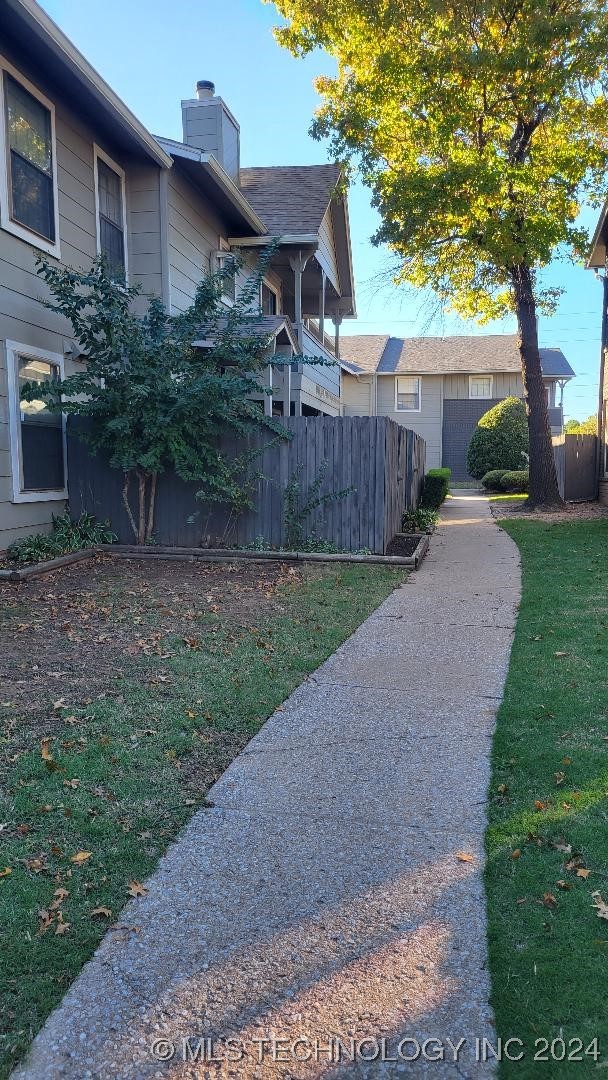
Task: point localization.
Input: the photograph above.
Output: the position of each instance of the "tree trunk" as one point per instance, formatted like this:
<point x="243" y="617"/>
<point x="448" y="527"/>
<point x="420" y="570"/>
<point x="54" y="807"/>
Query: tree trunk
<point x="151" y="507"/>
<point x="141" y="528"/>
<point x="544" y="491"/>
<point x="125" y="499"/>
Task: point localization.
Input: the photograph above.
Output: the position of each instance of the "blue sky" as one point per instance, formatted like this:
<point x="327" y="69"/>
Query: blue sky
<point x="152" y="52"/>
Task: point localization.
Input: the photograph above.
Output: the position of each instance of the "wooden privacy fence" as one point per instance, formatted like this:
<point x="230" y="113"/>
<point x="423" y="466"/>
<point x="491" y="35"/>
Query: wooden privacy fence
<point x="575" y="462"/>
<point x="380" y="460"/>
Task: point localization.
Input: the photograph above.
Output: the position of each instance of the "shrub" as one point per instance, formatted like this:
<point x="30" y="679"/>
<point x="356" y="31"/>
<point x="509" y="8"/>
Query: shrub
<point x="515" y="482"/>
<point x="436" y="487"/>
<point x="491" y="481"/>
<point x="420" y="520"/>
<point x="66" y="535"/>
<point x="500" y="439"/>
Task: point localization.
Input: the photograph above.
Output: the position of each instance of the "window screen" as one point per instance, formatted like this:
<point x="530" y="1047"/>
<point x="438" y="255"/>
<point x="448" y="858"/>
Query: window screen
<point x="30" y="147"/>
<point x="41" y="433"/>
<point x="480" y="386"/>
<point x="408" y="394"/>
<point x="269" y="300"/>
<point x="111" y="218"/>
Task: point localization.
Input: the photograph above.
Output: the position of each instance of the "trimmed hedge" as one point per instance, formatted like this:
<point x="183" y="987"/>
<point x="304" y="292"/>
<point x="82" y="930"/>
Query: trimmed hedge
<point x="491" y="481"/>
<point x="436" y="487"/>
<point x="516" y="482"/>
<point x="500" y="439"/>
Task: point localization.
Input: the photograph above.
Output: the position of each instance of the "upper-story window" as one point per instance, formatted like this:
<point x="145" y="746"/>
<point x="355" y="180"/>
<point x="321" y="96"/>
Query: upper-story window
<point x="225" y="261"/>
<point x="28" y="179"/>
<point x="407" y="393"/>
<point x="480" y="386"/>
<point x="111" y="214"/>
<point x="269" y="300"/>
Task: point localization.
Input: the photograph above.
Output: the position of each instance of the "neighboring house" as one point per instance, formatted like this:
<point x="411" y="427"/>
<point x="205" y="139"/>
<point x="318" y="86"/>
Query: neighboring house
<point x="440" y="387"/>
<point x="79" y="175"/>
<point x="598" y="261"/>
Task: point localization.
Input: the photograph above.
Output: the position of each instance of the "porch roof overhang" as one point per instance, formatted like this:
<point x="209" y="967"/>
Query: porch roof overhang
<point x="27" y="27"/>
<point x="206" y="173"/>
<point x="271" y="326"/>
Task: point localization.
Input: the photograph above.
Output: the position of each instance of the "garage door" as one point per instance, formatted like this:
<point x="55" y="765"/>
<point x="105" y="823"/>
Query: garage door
<point x="460" y="418"/>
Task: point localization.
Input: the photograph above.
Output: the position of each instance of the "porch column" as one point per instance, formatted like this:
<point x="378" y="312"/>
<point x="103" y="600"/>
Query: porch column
<point x="337" y="320"/>
<point x="268" y="397"/>
<point x="322" y="305"/>
<point x="298" y="263"/>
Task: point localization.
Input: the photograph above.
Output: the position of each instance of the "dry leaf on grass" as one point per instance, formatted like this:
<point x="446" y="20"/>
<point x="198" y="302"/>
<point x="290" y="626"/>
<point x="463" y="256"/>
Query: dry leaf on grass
<point x="101" y="912"/>
<point x="561" y="845"/>
<point x="6" y="871"/>
<point x="549" y="900"/>
<point x="59" y="896"/>
<point x="516" y="854"/>
<point x="135" y="888"/>
<point x="600" y="905"/>
<point x="583" y="872"/>
<point x="80" y="857"/>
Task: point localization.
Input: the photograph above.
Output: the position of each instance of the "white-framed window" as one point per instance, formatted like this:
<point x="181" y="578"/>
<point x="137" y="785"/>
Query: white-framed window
<point x="407" y="393"/>
<point x="269" y="299"/>
<point x="37" y="436"/>
<point x="480" y="386"/>
<point x="28" y="162"/>
<point x="111" y="213"/>
<point x="225" y="259"/>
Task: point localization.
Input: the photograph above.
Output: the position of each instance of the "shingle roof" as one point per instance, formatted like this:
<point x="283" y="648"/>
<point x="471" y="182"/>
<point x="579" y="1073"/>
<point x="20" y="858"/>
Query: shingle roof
<point x="445" y="356"/>
<point x="290" y="198"/>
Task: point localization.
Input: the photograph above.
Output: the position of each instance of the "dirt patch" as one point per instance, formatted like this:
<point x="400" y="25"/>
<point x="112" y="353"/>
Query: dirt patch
<point x="83" y="627"/>
<point x="404" y="544"/>
<point x="573" y="512"/>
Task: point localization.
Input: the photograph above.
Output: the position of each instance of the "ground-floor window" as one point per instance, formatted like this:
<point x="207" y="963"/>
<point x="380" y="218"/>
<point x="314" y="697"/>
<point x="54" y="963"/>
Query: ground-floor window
<point x="38" y="448"/>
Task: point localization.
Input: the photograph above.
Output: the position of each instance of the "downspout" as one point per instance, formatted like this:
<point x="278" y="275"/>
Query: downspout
<point x="600" y="414"/>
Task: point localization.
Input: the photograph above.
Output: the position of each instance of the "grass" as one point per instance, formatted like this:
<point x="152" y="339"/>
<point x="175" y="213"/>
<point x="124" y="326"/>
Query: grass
<point x="96" y="784"/>
<point x="549" y="802"/>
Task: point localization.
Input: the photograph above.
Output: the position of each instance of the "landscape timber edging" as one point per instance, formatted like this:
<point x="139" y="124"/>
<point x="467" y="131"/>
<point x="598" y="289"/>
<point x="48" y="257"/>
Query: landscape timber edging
<point x="132" y="551"/>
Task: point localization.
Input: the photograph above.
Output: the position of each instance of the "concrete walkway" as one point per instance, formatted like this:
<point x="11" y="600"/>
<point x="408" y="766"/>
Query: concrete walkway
<point x="323" y="895"/>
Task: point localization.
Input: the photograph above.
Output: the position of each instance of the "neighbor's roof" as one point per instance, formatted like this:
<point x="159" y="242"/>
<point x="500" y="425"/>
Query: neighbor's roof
<point x="290" y="199"/>
<point x="444" y="356"/>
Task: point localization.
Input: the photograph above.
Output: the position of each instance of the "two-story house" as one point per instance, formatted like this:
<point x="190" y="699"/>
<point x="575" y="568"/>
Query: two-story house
<point x="441" y="387"/>
<point x="80" y="176"/>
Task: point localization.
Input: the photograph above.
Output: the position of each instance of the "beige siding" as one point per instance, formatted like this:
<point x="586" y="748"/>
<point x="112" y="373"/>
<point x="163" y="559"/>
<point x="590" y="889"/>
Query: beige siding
<point x="144" y="220"/>
<point x="427" y="422"/>
<point x="23" y="318"/>
<point x="357" y="395"/>
<point x="193" y="236"/>
<point x="504" y="384"/>
<point x="326" y="253"/>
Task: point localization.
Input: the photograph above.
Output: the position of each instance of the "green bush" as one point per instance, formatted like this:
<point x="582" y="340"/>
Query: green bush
<point x="66" y="535"/>
<point x="491" y="481"/>
<point x="420" y="520"/>
<point x="516" y="482"/>
<point x="500" y="439"/>
<point x="435" y="488"/>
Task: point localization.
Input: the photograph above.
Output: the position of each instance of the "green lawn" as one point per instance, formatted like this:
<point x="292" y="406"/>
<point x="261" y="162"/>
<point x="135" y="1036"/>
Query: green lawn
<point x="547" y="842"/>
<point x="129" y="688"/>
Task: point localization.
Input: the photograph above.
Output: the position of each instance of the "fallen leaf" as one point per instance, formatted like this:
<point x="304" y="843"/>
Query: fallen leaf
<point x="7" y="870"/>
<point x="516" y="854"/>
<point x="59" y="896"/>
<point x="560" y="654"/>
<point x="35" y="864"/>
<point x="45" y="750"/>
<point x="103" y="912"/>
<point x="74" y="783"/>
<point x="135" y="888"/>
<point x="549" y="900"/>
<point x="540" y="805"/>
<point x="502" y="789"/>
<point x="80" y="857"/>
<point x="574" y="863"/>
<point x="583" y="873"/>
<point x="567" y="761"/>
<point x="600" y="905"/>
<point x="464" y="856"/>
<point x="559" y="777"/>
<point x="23" y="830"/>
<point x="62" y="928"/>
<point x="561" y="845"/>
<point x="565" y="885"/>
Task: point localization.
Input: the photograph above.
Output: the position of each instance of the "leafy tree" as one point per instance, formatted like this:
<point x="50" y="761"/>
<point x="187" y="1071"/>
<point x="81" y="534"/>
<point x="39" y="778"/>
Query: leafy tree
<point x="582" y="427"/>
<point x="480" y="126"/>
<point x="500" y="440"/>
<point x="152" y="400"/>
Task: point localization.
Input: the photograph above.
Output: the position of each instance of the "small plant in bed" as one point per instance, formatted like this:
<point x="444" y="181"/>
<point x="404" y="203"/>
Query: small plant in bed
<point x="422" y="520"/>
<point x="67" y="535"/>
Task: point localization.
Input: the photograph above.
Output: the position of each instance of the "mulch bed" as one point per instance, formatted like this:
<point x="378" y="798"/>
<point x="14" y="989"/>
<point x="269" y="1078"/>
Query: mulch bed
<point x="583" y="511"/>
<point x="403" y="544"/>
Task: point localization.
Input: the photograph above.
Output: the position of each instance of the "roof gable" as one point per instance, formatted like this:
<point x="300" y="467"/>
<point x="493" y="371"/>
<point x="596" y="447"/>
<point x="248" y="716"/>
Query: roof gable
<point x="473" y="355"/>
<point x="290" y="199"/>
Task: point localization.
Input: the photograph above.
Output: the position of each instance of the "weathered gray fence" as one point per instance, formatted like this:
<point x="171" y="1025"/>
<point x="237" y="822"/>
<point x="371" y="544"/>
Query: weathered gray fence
<point x="382" y="461"/>
<point x="575" y="463"/>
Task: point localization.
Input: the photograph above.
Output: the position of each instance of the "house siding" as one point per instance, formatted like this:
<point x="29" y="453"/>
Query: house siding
<point x="23" y="318"/>
<point x="504" y="384"/>
<point x="357" y="395"/>
<point x="193" y="235"/>
<point x="427" y="422"/>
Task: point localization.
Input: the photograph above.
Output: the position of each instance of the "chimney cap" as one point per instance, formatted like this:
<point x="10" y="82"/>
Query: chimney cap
<point x="205" y="88"/>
